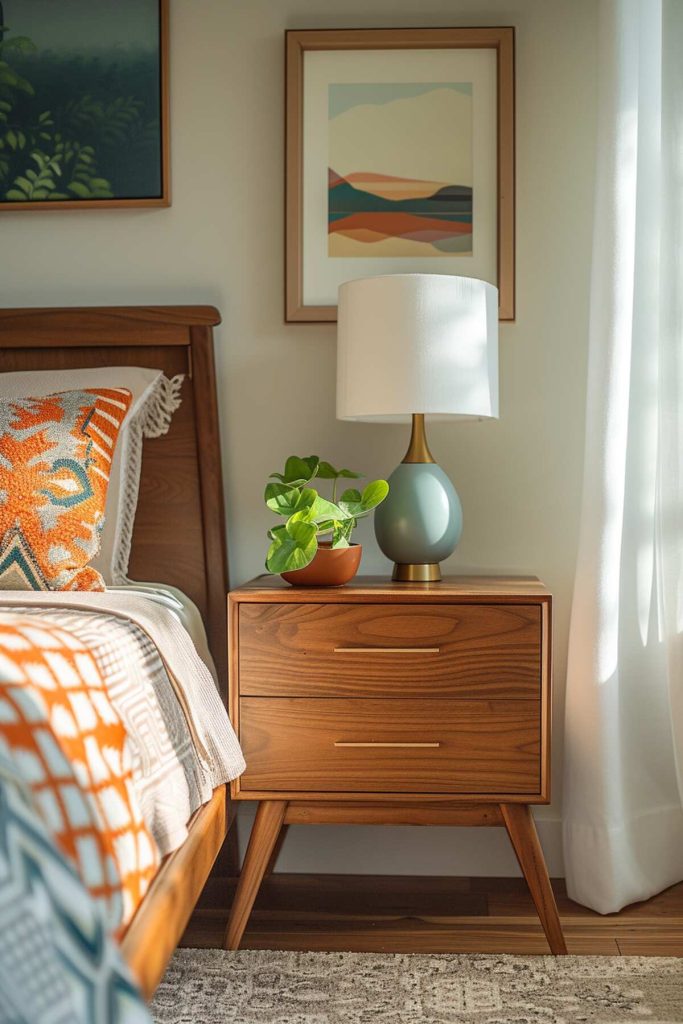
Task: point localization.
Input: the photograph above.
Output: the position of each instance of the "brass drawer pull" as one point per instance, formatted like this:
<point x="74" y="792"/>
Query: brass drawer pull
<point x="343" y="743"/>
<point x="386" y="650"/>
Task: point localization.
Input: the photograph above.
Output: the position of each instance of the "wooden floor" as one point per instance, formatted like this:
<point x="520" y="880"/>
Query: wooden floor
<point x="430" y="915"/>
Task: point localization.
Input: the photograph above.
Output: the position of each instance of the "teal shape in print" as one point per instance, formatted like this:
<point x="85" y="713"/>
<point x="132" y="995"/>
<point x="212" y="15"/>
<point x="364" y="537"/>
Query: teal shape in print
<point x="71" y="487"/>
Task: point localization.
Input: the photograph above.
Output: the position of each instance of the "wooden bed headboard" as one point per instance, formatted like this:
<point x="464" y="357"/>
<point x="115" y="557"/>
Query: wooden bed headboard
<point x="179" y="535"/>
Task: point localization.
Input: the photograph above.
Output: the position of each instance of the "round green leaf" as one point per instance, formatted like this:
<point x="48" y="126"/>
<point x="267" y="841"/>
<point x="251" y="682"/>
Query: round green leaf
<point x="281" y="498"/>
<point x="374" y="494"/>
<point x="324" y="509"/>
<point x="298" y="471"/>
<point x="293" y="546"/>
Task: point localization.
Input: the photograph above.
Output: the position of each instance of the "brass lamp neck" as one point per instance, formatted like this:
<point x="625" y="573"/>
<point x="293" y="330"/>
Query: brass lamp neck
<point x="418" y="449"/>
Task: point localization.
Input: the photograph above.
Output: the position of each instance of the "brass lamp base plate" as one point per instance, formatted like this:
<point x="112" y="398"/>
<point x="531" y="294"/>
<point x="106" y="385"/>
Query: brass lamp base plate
<point x="424" y="573"/>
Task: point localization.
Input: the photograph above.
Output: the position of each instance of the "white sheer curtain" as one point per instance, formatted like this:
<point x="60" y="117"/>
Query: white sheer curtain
<point x="623" y="818"/>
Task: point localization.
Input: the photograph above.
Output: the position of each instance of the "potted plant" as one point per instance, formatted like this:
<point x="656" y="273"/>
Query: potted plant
<point x="313" y="547"/>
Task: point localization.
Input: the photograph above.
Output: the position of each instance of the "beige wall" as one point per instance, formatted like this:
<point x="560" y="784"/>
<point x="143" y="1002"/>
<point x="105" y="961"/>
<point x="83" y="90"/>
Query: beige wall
<point x="221" y="242"/>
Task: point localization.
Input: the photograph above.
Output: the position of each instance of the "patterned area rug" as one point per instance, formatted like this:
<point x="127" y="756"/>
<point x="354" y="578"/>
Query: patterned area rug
<point x="211" y="986"/>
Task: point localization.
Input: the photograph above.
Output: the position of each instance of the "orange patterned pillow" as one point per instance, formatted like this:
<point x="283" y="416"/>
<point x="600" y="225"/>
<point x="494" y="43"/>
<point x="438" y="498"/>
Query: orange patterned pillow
<point x="55" y="460"/>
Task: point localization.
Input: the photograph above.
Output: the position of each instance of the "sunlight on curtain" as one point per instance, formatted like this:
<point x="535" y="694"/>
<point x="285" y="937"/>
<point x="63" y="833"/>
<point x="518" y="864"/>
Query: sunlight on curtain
<point x="623" y="813"/>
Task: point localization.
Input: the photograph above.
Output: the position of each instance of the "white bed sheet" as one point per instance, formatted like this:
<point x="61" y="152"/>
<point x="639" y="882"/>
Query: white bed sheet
<point x="184" y="609"/>
<point x="213" y="735"/>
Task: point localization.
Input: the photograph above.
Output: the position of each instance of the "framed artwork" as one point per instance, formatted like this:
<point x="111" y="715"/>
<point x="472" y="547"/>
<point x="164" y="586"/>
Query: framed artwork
<point x="83" y="104"/>
<point x="399" y="159"/>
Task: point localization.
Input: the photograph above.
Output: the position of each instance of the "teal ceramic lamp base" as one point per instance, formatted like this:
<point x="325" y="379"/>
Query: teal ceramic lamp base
<point x="420" y="522"/>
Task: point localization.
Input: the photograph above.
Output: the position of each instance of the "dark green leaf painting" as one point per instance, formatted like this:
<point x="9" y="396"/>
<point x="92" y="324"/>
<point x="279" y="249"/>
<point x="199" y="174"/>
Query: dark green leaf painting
<point x="81" y="102"/>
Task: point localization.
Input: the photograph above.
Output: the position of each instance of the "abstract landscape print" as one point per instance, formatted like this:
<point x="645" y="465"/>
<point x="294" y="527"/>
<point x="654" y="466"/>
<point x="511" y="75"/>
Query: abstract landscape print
<point x="400" y="169"/>
<point x="81" y="102"/>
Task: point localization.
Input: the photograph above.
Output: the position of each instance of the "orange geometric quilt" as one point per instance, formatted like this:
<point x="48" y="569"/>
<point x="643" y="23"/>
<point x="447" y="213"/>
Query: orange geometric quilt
<point x="55" y="460"/>
<point x="70" y="746"/>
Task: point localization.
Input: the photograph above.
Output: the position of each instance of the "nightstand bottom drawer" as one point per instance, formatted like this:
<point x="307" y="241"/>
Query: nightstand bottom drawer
<point x="390" y="745"/>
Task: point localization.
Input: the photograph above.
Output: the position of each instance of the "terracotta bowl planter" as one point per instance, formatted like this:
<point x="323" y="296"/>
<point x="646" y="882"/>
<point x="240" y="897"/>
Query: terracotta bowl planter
<point x="331" y="567"/>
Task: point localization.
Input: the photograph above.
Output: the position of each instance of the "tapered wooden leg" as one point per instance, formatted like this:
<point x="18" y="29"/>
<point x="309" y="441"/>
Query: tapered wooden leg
<point x="276" y="850"/>
<point x="228" y="860"/>
<point x="269" y="819"/>
<point x="524" y="838"/>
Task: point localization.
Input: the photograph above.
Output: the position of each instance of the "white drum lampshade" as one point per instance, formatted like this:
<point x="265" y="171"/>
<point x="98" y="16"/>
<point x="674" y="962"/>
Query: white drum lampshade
<point x="411" y="345"/>
<point x="417" y="343"/>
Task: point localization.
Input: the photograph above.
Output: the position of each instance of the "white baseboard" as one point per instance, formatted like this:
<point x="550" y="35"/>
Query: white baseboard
<point x="389" y="850"/>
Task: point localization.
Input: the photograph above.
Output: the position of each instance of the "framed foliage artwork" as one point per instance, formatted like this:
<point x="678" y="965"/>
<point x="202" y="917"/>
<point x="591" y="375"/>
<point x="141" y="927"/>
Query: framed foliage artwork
<point x="400" y="159"/>
<point x="83" y="104"/>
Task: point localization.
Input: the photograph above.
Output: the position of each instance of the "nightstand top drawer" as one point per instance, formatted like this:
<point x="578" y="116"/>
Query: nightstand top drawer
<point x="391" y="650"/>
<point x="391" y="746"/>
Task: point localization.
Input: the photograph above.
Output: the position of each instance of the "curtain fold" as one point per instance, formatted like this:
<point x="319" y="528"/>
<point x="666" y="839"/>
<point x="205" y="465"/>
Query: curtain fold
<point x="623" y="809"/>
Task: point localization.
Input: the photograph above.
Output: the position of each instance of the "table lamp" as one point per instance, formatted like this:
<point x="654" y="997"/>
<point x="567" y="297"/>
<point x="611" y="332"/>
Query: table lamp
<point x="416" y="345"/>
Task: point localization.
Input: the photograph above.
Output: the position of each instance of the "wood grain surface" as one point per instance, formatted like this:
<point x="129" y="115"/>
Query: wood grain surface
<point x="485" y="746"/>
<point x="408" y="812"/>
<point x="262" y="841"/>
<point x="417" y="650"/>
<point x="381" y="913"/>
<point x="521" y="829"/>
<point x="500" y="589"/>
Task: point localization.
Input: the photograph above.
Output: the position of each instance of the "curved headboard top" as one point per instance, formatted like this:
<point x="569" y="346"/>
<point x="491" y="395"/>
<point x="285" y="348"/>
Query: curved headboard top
<point x="179" y="535"/>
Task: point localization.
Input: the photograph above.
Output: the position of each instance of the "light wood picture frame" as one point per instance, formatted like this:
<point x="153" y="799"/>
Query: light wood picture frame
<point x="84" y="105"/>
<point x="375" y="96"/>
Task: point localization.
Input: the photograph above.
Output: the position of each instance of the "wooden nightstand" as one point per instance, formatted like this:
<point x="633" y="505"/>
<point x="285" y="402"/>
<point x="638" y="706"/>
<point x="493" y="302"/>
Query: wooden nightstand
<point x="393" y="703"/>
